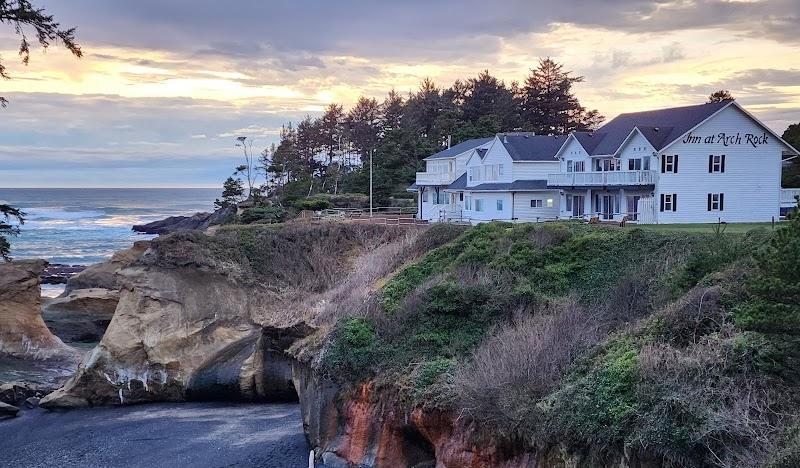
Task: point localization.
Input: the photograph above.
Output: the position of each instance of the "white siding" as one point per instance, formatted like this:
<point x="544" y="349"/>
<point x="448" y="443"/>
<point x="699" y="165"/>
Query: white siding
<point x="637" y="147"/>
<point x="573" y="151"/>
<point x="535" y="170"/>
<point x="524" y="212"/>
<point x="496" y="155"/>
<point x="751" y="181"/>
<point x="490" y="211"/>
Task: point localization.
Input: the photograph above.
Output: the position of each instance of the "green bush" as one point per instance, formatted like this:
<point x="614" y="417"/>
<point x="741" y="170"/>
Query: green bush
<point x="313" y="204"/>
<point x="263" y="215"/>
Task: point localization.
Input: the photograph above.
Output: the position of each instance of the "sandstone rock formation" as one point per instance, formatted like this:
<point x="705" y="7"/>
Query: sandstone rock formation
<point x="82" y="315"/>
<point x="23" y="333"/>
<point x="203" y="317"/>
<point x="102" y="275"/>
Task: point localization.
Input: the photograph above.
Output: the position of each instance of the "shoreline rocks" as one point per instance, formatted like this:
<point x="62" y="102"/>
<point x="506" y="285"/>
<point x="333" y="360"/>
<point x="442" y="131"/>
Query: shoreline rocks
<point x="197" y="221"/>
<point x="82" y="315"/>
<point x="23" y="333"/>
<point x="57" y="273"/>
<point x="8" y="411"/>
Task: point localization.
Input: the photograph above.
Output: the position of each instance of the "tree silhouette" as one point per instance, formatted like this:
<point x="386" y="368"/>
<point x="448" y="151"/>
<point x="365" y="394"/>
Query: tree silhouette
<point x="719" y="96"/>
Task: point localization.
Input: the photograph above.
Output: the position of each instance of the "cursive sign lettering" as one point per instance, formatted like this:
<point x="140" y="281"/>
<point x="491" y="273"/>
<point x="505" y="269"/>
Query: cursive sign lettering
<point x="728" y="139"/>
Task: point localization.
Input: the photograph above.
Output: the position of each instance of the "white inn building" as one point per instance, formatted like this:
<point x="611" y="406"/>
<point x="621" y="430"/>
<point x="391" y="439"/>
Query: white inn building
<point x="695" y="164"/>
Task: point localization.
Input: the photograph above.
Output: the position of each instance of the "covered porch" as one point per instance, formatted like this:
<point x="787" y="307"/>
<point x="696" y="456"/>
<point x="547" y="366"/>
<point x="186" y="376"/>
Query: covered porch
<point x="608" y="204"/>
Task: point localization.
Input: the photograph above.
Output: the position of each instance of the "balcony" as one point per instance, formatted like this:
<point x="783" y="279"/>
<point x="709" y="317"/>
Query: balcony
<point x="435" y="178"/>
<point x="602" y="179"/>
<point x="788" y="197"/>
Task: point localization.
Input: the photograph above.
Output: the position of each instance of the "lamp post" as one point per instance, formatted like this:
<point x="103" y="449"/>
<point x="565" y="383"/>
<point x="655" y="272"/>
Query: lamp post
<point x="371" y="151"/>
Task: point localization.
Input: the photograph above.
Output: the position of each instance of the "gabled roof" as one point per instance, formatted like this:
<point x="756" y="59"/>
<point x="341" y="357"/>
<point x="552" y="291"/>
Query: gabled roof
<point x="660" y="127"/>
<point x="462" y="147"/>
<point x="531" y="147"/>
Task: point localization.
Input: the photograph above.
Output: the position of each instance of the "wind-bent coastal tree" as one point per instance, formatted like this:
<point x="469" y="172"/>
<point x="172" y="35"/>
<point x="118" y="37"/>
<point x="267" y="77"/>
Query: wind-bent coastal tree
<point x="719" y="96"/>
<point x="25" y="18"/>
<point x="10" y="220"/>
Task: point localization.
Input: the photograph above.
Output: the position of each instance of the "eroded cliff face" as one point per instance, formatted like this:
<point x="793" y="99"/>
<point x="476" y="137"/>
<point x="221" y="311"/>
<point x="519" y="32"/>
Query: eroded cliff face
<point x="176" y="334"/>
<point x="371" y="427"/>
<point x="196" y="321"/>
<point x="23" y="333"/>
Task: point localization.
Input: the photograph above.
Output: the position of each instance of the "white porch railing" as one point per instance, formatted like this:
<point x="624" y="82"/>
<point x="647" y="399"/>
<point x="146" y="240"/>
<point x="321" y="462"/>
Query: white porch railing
<point x="435" y="178"/>
<point x="788" y="196"/>
<point x="601" y="179"/>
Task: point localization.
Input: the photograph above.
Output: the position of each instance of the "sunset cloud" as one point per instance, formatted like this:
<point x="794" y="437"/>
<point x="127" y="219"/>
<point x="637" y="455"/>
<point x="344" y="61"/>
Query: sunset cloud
<point x="173" y="81"/>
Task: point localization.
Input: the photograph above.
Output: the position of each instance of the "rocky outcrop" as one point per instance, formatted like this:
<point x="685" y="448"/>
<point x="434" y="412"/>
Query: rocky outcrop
<point x="198" y="221"/>
<point x="371" y="427"/>
<point x="56" y="273"/>
<point x="23" y="333"/>
<point x="8" y="411"/>
<point x="82" y="315"/>
<point x="103" y="275"/>
<point x="191" y="332"/>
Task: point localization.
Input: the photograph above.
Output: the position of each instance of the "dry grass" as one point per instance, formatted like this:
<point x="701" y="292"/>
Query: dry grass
<point x="523" y="361"/>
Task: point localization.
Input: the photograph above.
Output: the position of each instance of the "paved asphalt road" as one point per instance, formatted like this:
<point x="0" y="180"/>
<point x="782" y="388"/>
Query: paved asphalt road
<point x="157" y="435"/>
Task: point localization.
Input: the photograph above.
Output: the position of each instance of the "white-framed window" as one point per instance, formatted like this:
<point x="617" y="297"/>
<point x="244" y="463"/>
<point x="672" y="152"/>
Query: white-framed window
<point x="474" y="174"/>
<point x="569" y="203"/>
<point x="669" y="163"/>
<point x="478" y="204"/>
<point x="716" y="202"/>
<point x="716" y="163"/>
<point x="468" y="202"/>
<point x="500" y="169"/>
<point x="635" y="164"/>
<point x="424" y="196"/>
<point x="570" y="165"/>
<point x="580" y="166"/>
<point x="494" y="171"/>
<point x="669" y="202"/>
<point x="536" y="203"/>
<point x="550" y="202"/>
<point x="499" y="205"/>
<point x="486" y="173"/>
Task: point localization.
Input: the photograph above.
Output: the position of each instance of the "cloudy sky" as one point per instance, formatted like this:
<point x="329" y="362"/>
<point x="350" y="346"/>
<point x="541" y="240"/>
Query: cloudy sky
<point x="165" y="85"/>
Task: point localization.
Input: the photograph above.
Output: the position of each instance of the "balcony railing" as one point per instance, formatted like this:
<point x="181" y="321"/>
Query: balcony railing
<point x="601" y="179"/>
<point x="435" y="178"/>
<point x="789" y="196"/>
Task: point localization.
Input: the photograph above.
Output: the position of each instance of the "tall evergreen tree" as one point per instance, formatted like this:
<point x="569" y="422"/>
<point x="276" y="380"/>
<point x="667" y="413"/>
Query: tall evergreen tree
<point x="548" y="105"/>
<point x="363" y="124"/>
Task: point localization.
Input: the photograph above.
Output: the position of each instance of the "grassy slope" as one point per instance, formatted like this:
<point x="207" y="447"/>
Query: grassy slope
<point x="653" y="359"/>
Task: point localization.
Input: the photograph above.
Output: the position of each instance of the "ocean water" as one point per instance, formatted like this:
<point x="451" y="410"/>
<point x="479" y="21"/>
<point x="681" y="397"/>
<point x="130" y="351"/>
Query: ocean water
<point x="85" y="226"/>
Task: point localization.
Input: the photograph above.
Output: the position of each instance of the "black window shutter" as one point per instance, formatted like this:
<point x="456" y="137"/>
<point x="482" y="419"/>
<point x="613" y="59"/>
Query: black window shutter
<point x="721" y="201"/>
<point x="710" y="163"/>
<point x="675" y="166"/>
<point x="723" y="163"/>
<point x="709" y="202"/>
<point x="675" y="195"/>
<point x="662" y="202"/>
<point x="663" y="164"/>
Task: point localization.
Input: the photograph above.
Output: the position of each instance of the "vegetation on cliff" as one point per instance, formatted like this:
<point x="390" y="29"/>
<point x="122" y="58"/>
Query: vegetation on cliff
<point x="673" y="346"/>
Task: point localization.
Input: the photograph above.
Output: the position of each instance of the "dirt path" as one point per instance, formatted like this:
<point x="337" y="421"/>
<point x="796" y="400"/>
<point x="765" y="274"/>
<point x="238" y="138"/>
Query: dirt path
<point x="167" y="435"/>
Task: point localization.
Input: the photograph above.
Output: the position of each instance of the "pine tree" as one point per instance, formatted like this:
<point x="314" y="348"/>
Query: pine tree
<point x="548" y="105"/>
<point x="232" y="193"/>
<point x="719" y="96"/>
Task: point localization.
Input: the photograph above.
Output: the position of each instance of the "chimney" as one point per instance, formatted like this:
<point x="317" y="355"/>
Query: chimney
<point x="449" y="140"/>
<point x="505" y="138"/>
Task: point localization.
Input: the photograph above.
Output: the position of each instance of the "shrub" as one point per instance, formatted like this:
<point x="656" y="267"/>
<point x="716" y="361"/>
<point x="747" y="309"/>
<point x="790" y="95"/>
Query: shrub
<point x="313" y="204"/>
<point x="263" y="215"/>
<point x="522" y="362"/>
